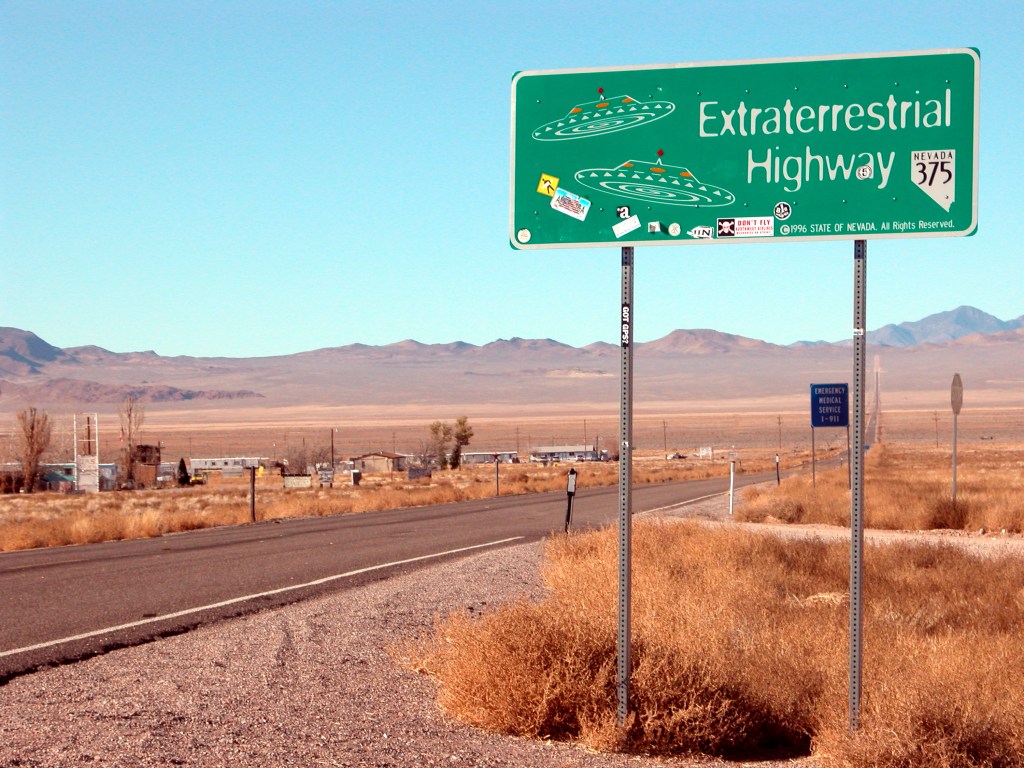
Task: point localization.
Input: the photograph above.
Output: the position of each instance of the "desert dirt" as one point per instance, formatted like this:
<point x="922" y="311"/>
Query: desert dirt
<point x="319" y="682"/>
<point x="322" y="682"/>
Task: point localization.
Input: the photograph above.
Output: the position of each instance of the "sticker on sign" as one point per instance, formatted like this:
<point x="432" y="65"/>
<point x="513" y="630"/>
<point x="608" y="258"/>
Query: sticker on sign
<point x="626" y="226"/>
<point x="747" y="226"/>
<point x="570" y="204"/>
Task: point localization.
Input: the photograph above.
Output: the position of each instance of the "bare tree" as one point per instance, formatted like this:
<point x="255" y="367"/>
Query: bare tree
<point x="462" y="434"/>
<point x="132" y="415"/>
<point x="440" y="435"/>
<point x="33" y="442"/>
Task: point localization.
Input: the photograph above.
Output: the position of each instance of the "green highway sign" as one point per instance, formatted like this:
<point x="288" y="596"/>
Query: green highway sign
<point x="825" y="148"/>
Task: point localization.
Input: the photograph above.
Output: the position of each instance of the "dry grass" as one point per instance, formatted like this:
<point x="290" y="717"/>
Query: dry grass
<point x="740" y="650"/>
<point x="42" y="520"/>
<point x="907" y="488"/>
<point x="50" y="519"/>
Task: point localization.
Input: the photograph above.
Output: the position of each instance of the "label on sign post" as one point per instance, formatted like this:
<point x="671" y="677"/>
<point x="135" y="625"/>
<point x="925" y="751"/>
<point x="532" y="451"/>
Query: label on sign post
<point x="830" y="405"/>
<point x="825" y="148"/>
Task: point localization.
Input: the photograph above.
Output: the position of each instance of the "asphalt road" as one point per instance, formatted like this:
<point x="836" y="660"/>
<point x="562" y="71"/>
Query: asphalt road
<point x="66" y="603"/>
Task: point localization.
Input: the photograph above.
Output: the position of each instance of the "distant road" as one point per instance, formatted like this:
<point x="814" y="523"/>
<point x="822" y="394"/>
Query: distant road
<point x="66" y="603"/>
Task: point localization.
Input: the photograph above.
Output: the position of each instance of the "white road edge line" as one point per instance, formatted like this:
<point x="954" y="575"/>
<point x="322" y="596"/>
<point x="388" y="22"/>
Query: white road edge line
<point x="232" y="601"/>
<point x="684" y="503"/>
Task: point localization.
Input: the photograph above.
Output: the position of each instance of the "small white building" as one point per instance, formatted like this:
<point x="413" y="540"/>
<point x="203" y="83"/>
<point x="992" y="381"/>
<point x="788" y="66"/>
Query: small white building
<point x="552" y="453"/>
<point x="234" y="462"/>
<point x="489" y="457"/>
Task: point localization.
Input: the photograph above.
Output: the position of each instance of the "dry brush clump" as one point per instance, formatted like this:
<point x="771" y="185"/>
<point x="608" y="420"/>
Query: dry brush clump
<point x="740" y="649"/>
<point x="943" y="667"/>
<point x="705" y="680"/>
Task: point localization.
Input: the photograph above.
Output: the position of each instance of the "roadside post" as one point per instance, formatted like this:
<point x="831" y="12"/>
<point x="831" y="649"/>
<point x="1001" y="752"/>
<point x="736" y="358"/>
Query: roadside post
<point x="732" y="484"/>
<point x="252" y="494"/>
<point x="778" y="476"/>
<point x="956" y="397"/>
<point x="570" y="492"/>
<point x="868" y="146"/>
<point x="497" y="479"/>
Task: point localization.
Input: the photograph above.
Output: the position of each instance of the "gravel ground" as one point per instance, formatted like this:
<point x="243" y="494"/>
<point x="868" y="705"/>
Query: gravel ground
<point x="311" y="684"/>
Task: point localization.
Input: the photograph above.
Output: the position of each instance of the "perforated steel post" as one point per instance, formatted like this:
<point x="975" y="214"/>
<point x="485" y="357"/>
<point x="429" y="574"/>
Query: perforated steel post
<point x="860" y="277"/>
<point x="623" y="664"/>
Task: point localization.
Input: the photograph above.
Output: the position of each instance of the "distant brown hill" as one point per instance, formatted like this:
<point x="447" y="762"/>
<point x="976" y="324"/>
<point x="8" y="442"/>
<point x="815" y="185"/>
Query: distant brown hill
<point x="92" y="392"/>
<point x="686" y="366"/>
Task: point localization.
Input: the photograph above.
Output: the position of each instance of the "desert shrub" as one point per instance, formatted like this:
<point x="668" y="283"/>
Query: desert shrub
<point x="946" y="513"/>
<point x="705" y="680"/>
<point x="905" y="488"/>
<point x="799" y="500"/>
<point x="740" y="649"/>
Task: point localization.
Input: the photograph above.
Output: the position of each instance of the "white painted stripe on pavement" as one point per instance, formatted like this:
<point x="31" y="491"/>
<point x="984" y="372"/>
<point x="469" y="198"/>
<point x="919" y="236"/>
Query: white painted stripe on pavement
<point x="685" y="503"/>
<point x="232" y="601"/>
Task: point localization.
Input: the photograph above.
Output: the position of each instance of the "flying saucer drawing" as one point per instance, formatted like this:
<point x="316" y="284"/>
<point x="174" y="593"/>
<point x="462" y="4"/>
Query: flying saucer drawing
<point x="655" y="183"/>
<point x="605" y="115"/>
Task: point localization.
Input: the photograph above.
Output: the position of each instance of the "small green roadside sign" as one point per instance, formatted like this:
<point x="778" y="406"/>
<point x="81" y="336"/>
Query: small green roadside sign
<point x="827" y="148"/>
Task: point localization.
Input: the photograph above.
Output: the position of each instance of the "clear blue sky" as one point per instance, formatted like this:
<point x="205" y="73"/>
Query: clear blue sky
<point x="248" y="178"/>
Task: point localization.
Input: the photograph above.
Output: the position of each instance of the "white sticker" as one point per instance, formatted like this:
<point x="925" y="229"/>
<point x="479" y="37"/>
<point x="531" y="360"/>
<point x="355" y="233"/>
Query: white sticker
<point x="702" y="233"/>
<point x="626" y="226"/>
<point x="934" y="172"/>
<point x="571" y="204"/>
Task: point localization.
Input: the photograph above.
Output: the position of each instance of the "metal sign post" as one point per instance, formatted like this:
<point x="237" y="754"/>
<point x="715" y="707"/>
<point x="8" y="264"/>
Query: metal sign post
<point x="860" y="276"/>
<point x="956" y="398"/>
<point x="623" y="663"/>
<point x="252" y="494"/>
<point x="732" y="485"/>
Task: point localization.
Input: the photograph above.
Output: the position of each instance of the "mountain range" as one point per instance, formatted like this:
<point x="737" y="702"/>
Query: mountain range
<point x="686" y="365"/>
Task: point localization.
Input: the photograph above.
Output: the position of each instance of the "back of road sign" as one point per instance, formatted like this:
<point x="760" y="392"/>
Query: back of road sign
<point x="828" y="148"/>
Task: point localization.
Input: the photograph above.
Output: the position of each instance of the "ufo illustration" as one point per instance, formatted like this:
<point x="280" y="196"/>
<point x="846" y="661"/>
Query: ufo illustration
<point x="655" y="183"/>
<point x="606" y="115"/>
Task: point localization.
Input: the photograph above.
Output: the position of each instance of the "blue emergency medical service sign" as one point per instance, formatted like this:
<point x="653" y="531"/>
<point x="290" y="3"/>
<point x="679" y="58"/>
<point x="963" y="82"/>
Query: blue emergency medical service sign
<point x="830" y="405"/>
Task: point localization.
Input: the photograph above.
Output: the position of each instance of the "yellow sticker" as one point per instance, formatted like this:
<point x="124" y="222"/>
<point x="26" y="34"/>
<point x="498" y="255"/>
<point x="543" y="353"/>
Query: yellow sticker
<point x="548" y="185"/>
